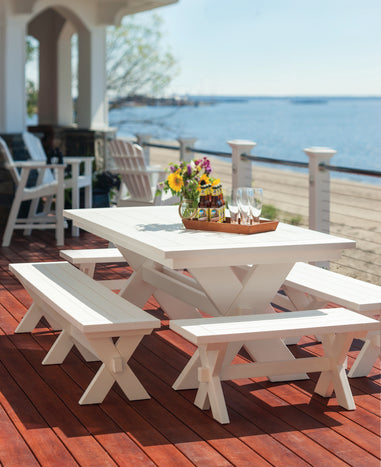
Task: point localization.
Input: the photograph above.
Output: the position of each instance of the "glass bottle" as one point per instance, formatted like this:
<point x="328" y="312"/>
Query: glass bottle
<point x="203" y="207"/>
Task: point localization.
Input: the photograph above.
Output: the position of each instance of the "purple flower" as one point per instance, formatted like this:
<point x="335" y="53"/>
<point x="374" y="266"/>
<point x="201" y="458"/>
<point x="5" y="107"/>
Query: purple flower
<point x="172" y="168"/>
<point x="205" y="164"/>
<point x="189" y="170"/>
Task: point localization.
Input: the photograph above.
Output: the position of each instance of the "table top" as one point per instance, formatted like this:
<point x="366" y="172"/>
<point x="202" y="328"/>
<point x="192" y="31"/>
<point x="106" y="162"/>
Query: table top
<point x="158" y="234"/>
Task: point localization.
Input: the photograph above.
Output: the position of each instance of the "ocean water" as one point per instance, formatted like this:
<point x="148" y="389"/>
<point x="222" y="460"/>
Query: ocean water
<point x="281" y="127"/>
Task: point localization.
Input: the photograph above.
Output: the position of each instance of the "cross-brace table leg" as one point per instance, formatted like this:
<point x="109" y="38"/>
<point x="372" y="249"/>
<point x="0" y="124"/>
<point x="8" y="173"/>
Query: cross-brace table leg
<point x="249" y="292"/>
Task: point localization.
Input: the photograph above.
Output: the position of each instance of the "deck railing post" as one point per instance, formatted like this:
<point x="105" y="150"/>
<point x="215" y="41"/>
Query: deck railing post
<point x="186" y="155"/>
<point x="241" y="167"/>
<point x="142" y="139"/>
<point x="319" y="188"/>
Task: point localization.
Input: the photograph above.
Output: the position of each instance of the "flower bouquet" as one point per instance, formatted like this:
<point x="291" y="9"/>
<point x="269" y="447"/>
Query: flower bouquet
<point x="185" y="180"/>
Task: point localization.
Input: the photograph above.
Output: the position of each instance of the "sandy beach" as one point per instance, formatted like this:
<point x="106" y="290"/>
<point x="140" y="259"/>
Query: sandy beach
<point x="355" y="209"/>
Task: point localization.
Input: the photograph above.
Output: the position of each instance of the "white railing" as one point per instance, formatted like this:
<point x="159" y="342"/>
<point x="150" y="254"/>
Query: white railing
<point x="319" y="176"/>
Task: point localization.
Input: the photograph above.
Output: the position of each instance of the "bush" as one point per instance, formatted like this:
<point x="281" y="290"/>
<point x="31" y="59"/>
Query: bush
<point x="269" y="211"/>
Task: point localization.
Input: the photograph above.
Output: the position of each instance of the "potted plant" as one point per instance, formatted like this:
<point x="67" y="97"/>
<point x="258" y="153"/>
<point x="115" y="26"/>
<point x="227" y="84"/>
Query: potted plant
<point x="104" y="186"/>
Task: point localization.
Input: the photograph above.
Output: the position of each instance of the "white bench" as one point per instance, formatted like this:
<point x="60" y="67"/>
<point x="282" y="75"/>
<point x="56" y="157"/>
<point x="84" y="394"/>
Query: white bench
<point x="220" y="339"/>
<point x="90" y="316"/>
<point x="87" y="259"/>
<point x="309" y="287"/>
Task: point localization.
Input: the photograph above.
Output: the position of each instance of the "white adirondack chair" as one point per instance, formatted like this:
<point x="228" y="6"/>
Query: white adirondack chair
<point x="139" y="182"/>
<point x="42" y="191"/>
<point x="75" y="183"/>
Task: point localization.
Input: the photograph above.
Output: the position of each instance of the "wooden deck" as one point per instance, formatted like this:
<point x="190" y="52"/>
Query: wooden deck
<point x="277" y="424"/>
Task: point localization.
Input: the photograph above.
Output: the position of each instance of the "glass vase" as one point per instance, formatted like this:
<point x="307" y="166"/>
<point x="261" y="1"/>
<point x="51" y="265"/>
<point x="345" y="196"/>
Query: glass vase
<point x="188" y="209"/>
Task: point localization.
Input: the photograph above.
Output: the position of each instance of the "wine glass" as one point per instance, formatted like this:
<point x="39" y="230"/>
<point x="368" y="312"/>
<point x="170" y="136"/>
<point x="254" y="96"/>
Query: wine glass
<point x="233" y="207"/>
<point x="243" y="204"/>
<point x="256" y="202"/>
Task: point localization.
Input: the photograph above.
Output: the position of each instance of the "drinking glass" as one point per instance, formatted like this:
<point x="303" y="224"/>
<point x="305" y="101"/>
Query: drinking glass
<point x="256" y="202"/>
<point x="243" y="204"/>
<point x="233" y="207"/>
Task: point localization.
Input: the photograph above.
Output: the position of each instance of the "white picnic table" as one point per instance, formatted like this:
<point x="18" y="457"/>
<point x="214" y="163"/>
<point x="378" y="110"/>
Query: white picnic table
<point x="232" y="274"/>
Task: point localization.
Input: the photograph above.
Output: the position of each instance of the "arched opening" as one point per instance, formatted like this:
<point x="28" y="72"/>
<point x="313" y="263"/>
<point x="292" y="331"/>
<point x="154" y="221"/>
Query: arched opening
<point x="50" y="69"/>
<point x="71" y="68"/>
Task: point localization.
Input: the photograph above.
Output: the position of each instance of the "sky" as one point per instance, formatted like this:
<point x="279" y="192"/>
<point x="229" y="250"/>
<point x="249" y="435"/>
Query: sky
<point x="275" y="47"/>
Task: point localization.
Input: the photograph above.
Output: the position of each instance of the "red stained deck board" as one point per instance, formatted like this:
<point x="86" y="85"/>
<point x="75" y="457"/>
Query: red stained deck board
<point x="30" y="426"/>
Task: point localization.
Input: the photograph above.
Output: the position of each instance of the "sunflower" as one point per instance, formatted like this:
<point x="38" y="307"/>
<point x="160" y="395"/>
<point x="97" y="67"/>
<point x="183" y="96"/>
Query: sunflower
<point x="216" y="182"/>
<point x="175" y="181"/>
<point x="204" y="178"/>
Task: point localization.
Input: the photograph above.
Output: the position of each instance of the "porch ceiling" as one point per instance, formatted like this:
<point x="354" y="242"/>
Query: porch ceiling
<point x="107" y="11"/>
<point x="112" y="11"/>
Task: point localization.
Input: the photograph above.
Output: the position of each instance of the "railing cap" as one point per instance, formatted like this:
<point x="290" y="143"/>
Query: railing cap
<point x="241" y="143"/>
<point x="317" y="151"/>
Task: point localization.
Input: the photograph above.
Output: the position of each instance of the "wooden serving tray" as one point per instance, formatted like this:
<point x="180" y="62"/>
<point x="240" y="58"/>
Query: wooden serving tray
<point x="263" y="226"/>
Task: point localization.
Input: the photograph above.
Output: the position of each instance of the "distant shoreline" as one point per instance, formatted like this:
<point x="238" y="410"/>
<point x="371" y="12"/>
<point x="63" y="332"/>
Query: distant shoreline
<point x="196" y="100"/>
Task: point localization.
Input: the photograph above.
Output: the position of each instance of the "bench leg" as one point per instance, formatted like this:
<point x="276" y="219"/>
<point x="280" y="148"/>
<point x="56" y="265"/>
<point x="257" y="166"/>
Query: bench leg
<point x="59" y="349"/>
<point x="114" y="368"/>
<point x="36" y="311"/>
<point x="210" y="389"/>
<point x="30" y="319"/>
<point x="86" y="353"/>
<point x="87" y="268"/>
<point x="188" y="378"/>
<point x="367" y="356"/>
<point x="336" y="348"/>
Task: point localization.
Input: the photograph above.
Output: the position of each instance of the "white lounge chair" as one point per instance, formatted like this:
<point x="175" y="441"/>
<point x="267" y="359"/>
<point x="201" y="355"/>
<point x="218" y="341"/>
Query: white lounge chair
<point x="41" y="192"/>
<point x="77" y="180"/>
<point x="139" y="182"/>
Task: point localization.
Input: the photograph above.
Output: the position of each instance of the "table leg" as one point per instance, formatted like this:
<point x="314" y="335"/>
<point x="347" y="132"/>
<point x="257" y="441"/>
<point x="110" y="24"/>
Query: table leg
<point x="138" y="291"/>
<point x="249" y="292"/>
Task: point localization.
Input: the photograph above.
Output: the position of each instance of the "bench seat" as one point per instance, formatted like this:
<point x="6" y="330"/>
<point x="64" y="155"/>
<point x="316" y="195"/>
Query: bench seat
<point x="310" y="287"/>
<point x="87" y="259"/>
<point x="220" y="339"/>
<point x="327" y="286"/>
<point x="89" y="317"/>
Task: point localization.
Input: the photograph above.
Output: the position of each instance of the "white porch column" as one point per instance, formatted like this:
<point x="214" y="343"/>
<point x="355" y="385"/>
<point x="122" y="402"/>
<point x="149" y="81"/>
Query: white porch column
<point x="319" y="188"/>
<point x="12" y="74"/>
<point x="92" y="102"/>
<point x="64" y="78"/>
<point x="47" y="96"/>
<point x="47" y="28"/>
<point x="241" y="167"/>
